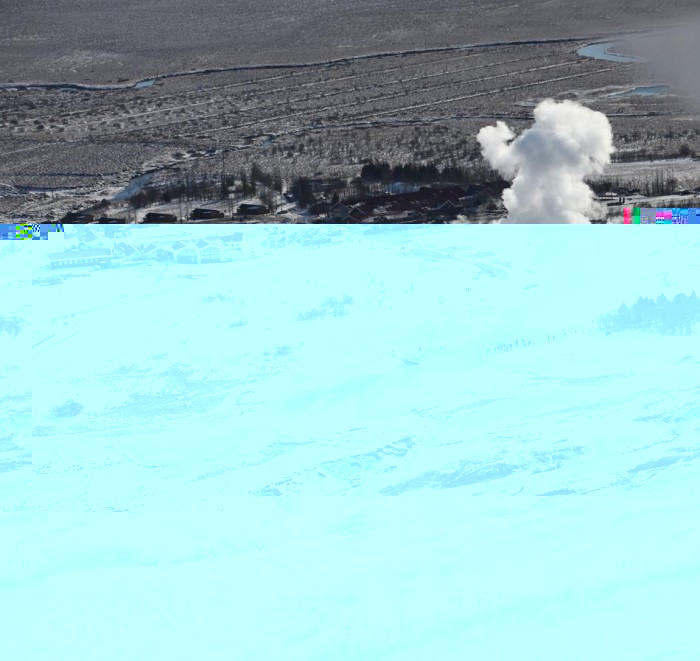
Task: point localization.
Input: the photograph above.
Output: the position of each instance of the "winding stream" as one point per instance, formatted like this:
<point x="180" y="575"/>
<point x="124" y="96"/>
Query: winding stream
<point x="80" y="87"/>
<point x="603" y="51"/>
<point x="597" y="50"/>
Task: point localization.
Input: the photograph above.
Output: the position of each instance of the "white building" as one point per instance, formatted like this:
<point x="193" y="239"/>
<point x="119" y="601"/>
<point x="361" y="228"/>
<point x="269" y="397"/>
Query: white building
<point x="213" y="249"/>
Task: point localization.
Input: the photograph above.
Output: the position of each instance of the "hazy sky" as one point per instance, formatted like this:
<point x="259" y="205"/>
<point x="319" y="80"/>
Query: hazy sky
<point x="674" y="56"/>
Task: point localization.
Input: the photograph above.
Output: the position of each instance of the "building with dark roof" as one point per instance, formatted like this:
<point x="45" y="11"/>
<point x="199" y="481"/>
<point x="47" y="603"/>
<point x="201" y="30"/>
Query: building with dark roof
<point x="429" y="201"/>
<point x="78" y="217"/>
<point x="318" y="208"/>
<point x="88" y="236"/>
<point x="246" y="209"/>
<point x="155" y="217"/>
<point x="229" y="239"/>
<point x="126" y="249"/>
<point x="206" y="214"/>
<point x="79" y="258"/>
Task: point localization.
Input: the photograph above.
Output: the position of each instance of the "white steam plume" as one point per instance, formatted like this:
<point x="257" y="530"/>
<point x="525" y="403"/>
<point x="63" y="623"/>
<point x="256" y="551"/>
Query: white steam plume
<point x="549" y="161"/>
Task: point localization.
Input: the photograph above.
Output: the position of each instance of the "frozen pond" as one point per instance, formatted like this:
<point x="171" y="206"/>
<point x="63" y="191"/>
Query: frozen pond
<point x="652" y="90"/>
<point x="602" y="51"/>
<point x="134" y="186"/>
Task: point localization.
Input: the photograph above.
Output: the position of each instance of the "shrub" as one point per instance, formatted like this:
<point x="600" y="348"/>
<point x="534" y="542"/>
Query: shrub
<point x="311" y="315"/>
<point x="69" y="409"/>
<point x="284" y="351"/>
<point x="10" y="325"/>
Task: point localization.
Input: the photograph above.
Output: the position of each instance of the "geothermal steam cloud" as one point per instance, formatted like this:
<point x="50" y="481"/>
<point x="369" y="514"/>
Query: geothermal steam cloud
<point x="548" y="162"/>
<point x="673" y="55"/>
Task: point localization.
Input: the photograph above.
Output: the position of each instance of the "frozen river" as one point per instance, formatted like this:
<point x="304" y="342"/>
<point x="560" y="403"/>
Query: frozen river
<point x="605" y="51"/>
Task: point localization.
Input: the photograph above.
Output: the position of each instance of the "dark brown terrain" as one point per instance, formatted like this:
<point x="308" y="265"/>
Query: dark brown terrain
<point x="103" y="40"/>
<point x="321" y="117"/>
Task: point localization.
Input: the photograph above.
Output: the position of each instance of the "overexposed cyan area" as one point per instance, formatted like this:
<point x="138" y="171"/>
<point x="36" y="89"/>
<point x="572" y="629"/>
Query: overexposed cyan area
<point x="351" y="443"/>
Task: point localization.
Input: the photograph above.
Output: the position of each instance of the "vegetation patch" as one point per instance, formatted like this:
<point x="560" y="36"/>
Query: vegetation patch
<point x="69" y="409"/>
<point x="331" y="307"/>
<point x="11" y="325"/>
<point x="676" y="317"/>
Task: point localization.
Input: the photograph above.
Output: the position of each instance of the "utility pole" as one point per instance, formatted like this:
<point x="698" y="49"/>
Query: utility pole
<point x="223" y="170"/>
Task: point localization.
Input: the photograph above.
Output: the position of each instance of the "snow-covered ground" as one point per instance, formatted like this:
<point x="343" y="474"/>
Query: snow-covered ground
<point x="320" y="454"/>
<point x="685" y="170"/>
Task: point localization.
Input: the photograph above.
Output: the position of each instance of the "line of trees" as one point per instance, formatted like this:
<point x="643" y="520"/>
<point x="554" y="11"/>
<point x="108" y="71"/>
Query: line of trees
<point x="302" y="192"/>
<point x="189" y="188"/>
<point x="644" y="154"/>
<point x="427" y="173"/>
<point x="657" y="183"/>
<point x="211" y="185"/>
<point x="676" y="317"/>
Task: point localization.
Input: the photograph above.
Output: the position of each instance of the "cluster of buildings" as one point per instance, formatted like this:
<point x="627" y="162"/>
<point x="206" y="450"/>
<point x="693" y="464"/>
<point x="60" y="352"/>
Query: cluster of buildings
<point x="427" y="204"/>
<point x="96" y="251"/>
<point x="405" y="204"/>
<point x="87" y="217"/>
<point x="94" y="257"/>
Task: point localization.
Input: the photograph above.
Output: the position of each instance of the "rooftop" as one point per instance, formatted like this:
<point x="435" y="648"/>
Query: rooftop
<point x="79" y="254"/>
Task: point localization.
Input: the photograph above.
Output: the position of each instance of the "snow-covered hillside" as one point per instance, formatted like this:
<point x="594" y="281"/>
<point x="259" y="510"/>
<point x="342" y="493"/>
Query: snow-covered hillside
<point x="412" y="444"/>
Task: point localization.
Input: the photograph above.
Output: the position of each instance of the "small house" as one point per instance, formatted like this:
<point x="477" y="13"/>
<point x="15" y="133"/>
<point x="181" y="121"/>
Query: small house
<point x="201" y="251"/>
<point x="162" y="254"/>
<point x="232" y="246"/>
<point x="353" y="215"/>
<point x="209" y="252"/>
<point x="149" y="250"/>
<point x="88" y="236"/>
<point x="206" y="214"/>
<point x="79" y="258"/>
<point x="127" y="250"/>
<point x="319" y="208"/>
<point x="112" y="229"/>
<point x="446" y="209"/>
<point x="186" y="254"/>
<point x="235" y="239"/>
<point x="252" y="209"/>
<point x="155" y="217"/>
<point x="91" y="240"/>
<point x="338" y="211"/>
<point x="318" y="185"/>
<point x="78" y="217"/>
<point x="469" y="202"/>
